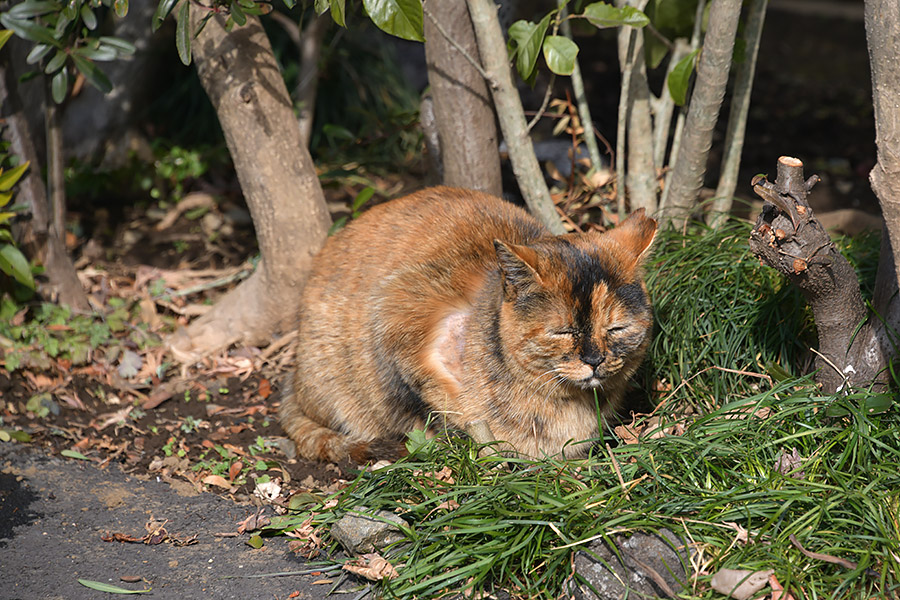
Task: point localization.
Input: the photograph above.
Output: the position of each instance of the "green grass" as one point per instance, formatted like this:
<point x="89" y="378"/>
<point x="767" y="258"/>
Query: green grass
<point x="516" y="527"/>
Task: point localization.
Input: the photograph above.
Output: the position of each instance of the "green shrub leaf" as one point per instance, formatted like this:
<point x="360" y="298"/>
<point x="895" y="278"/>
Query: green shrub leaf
<point x="88" y="17"/>
<point x="14" y="264"/>
<point x="59" y="86"/>
<point x="33" y="8"/>
<point x="525" y="41"/>
<point x="11" y="176"/>
<point x="560" y="53"/>
<point x="162" y="11"/>
<point x="338" y="12"/>
<point x="601" y="14"/>
<point x="121" y="7"/>
<point x="5" y="34"/>
<point x="183" y="33"/>
<point x="92" y="73"/>
<point x="402" y="18"/>
<point x="680" y="78"/>
<point x="30" y="31"/>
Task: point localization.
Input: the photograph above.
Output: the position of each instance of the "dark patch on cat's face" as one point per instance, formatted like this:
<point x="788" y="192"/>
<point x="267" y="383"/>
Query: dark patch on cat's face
<point x="633" y="297"/>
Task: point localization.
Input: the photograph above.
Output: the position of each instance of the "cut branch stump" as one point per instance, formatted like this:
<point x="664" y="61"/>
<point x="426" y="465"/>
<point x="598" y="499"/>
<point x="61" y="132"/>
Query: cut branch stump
<point x="788" y="237"/>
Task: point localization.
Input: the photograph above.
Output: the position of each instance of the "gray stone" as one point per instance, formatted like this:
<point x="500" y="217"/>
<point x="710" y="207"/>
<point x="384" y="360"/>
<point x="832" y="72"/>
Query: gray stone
<point x="645" y="566"/>
<point x="363" y="533"/>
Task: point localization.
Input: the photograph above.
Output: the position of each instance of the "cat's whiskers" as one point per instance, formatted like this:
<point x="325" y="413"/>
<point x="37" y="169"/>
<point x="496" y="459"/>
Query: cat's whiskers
<point x="558" y="379"/>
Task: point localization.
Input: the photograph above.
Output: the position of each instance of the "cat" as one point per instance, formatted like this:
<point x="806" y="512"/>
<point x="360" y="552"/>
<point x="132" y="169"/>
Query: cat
<point x="456" y="306"/>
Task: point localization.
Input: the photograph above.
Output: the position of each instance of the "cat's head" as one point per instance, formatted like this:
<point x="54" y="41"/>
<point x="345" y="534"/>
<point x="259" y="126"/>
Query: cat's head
<point x="575" y="309"/>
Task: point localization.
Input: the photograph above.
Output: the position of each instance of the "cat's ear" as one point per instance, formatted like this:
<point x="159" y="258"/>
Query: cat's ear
<point x="635" y="234"/>
<point x="518" y="266"/>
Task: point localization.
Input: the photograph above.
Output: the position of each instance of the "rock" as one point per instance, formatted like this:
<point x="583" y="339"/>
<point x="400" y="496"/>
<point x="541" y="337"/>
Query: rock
<point x="650" y="565"/>
<point x="362" y="534"/>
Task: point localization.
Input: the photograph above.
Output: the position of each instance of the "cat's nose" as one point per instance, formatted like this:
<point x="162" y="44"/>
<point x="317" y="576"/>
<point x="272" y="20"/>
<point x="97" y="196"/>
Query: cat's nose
<point x="593" y="360"/>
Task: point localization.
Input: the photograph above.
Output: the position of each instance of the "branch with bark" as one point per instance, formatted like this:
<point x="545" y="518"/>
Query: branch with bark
<point x="492" y="50"/>
<point x="37" y="235"/>
<point x="237" y="68"/>
<point x="789" y="238"/>
<point x="469" y="154"/>
<point x="712" y="77"/>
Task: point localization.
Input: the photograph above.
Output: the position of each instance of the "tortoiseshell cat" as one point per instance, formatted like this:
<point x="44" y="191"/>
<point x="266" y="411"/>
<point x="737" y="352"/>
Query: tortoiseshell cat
<point x="457" y="304"/>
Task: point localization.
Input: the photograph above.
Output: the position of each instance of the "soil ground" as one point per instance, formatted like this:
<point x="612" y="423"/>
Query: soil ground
<point x="185" y="448"/>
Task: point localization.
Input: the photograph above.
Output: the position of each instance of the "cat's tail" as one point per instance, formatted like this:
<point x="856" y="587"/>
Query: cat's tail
<point x="317" y="442"/>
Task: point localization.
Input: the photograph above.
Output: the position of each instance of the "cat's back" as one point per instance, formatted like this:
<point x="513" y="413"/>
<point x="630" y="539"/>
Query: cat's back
<point x="440" y="228"/>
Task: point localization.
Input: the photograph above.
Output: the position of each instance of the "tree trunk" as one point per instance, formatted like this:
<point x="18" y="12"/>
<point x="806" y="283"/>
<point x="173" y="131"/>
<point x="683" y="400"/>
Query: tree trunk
<point x="883" y="36"/>
<point x="641" y="179"/>
<point x="492" y="50"/>
<point x="463" y="111"/>
<point x="788" y="238"/>
<point x="737" y="117"/>
<point x="709" y="90"/>
<point x="35" y="235"/>
<point x="239" y="73"/>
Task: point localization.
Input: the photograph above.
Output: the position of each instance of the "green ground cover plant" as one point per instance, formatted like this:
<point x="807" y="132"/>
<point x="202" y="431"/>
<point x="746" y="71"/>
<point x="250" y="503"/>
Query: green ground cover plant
<point x="741" y="453"/>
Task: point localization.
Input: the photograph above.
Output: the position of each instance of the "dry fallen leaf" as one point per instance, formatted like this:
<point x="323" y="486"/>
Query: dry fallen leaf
<point x="778" y="592"/>
<point x="217" y="480"/>
<point x="740" y="583"/>
<point x="371" y="566"/>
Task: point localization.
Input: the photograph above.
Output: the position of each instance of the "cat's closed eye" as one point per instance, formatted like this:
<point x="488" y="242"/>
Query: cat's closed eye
<point x="562" y="332"/>
<point x="616" y="328"/>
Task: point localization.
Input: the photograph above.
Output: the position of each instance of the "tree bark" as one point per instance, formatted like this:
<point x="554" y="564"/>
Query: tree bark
<point x="641" y="179"/>
<point x="35" y="235"/>
<point x="737" y="117"/>
<point x="492" y="50"/>
<point x="706" y="100"/>
<point x="883" y="36"/>
<point x="239" y="73"/>
<point x="788" y="238"/>
<point x="463" y="111"/>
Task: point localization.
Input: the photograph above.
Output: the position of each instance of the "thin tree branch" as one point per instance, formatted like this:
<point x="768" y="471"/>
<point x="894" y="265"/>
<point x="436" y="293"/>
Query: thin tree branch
<point x="475" y="64"/>
<point x="493" y="52"/>
<point x="584" y="110"/>
<point x="737" y="118"/>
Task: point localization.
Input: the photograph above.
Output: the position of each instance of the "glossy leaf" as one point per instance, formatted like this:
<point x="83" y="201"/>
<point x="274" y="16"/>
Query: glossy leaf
<point x="338" y="12"/>
<point x="183" y="33"/>
<point x="528" y="38"/>
<point x="162" y="12"/>
<point x="33" y="8"/>
<point x="11" y="176"/>
<point x="321" y="6"/>
<point x="37" y="53"/>
<point x="560" y="53"/>
<point x="402" y="18"/>
<point x="601" y="14"/>
<point x="14" y="264"/>
<point x="92" y="73"/>
<point x="97" y="52"/>
<point x="237" y="13"/>
<point x="30" y="31"/>
<point x="88" y="17"/>
<point x="56" y="63"/>
<point x="121" y="7"/>
<point x="59" y="86"/>
<point x="5" y="197"/>
<point x="5" y="34"/>
<point x="121" y="46"/>
<point x="680" y="78"/>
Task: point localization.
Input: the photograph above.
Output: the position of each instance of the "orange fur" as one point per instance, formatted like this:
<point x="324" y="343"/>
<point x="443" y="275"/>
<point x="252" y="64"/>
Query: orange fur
<point x="457" y="306"/>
